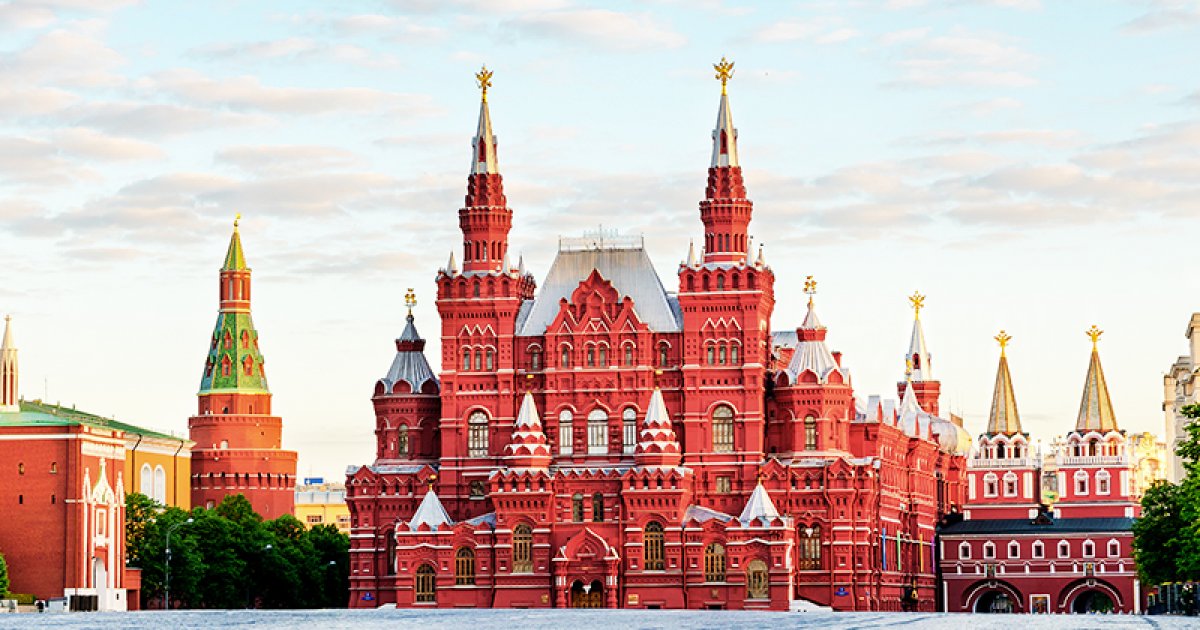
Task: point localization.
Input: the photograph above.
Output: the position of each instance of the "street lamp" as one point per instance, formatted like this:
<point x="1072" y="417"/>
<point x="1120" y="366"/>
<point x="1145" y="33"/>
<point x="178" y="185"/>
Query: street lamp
<point x="170" y="530"/>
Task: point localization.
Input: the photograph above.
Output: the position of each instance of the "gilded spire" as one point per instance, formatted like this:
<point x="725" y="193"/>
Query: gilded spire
<point x="1095" y="410"/>
<point x="484" y="143"/>
<point x="918" y="302"/>
<point x="920" y="365"/>
<point x="725" y="134"/>
<point x="235" y="258"/>
<point x="1003" y="417"/>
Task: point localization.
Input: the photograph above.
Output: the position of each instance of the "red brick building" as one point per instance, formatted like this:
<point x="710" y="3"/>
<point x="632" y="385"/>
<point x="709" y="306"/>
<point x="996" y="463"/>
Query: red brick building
<point x="604" y="442"/>
<point x="1010" y="551"/>
<point x="238" y="441"/>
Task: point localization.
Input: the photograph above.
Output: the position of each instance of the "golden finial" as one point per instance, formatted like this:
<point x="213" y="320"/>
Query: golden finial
<point x="1003" y="338"/>
<point x="410" y="300"/>
<point x="918" y="303"/>
<point x="724" y="72"/>
<point x="908" y="370"/>
<point x="810" y="287"/>
<point x="484" y="78"/>
<point x="1094" y="334"/>
<point x="236" y="219"/>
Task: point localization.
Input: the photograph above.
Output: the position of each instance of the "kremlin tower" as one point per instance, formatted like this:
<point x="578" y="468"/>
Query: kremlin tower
<point x="237" y="439"/>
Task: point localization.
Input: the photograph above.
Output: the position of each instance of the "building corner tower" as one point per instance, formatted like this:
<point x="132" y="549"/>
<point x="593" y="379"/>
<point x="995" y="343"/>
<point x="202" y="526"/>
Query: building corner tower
<point x="237" y="439"/>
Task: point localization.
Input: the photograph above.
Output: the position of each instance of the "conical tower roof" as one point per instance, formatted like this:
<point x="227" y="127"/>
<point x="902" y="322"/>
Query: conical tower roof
<point x="1095" y="410"/>
<point x="410" y="364"/>
<point x="759" y="507"/>
<point x="430" y="512"/>
<point x="484" y="160"/>
<point x="235" y="258"/>
<point x="234" y="362"/>
<point x="657" y="445"/>
<point x="1004" y="418"/>
<point x="529" y="447"/>
<point x="918" y="353"/>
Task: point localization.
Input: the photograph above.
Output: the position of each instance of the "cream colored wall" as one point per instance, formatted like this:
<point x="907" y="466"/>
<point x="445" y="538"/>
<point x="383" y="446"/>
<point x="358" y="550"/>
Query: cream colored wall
<point x="175" y="461"/>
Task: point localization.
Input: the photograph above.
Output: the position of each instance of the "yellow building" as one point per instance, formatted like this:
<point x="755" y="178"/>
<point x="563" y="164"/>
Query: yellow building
<point x="323" y="504"/>
<point x="159" y="466"/>
<point x="1151" y="461"/>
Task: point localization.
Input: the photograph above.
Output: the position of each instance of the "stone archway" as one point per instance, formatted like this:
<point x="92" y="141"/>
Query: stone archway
<point x="992" y="596"/>
<point x="995" y="601"/>
<point x="590" y="595"/>
<point x="1093" y="601"/>
<point x="1091" y="595"/>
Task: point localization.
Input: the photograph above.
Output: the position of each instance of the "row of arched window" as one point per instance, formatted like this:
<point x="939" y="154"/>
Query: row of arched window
<point x="723" y="353"/>
<point x="154" y="483"/>
<point x="484" y="359"/>
<point x="597" y="355"/>
<point x="1037" y="550"/>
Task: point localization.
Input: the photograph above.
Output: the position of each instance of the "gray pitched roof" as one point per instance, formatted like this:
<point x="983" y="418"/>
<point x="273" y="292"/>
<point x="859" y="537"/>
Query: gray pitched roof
<point x="628" y="269"/>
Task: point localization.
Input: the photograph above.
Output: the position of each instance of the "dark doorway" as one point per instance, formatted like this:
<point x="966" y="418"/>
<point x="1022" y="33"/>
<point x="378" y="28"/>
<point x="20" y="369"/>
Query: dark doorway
<point x="589" y="596"/>
<point x="995" y="602"/>
<point x="1093" y="602"/>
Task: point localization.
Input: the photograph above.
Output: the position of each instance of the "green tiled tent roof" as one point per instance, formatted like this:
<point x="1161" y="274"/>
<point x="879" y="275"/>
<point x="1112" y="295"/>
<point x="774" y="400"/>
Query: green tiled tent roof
<point x="235" y="258"/>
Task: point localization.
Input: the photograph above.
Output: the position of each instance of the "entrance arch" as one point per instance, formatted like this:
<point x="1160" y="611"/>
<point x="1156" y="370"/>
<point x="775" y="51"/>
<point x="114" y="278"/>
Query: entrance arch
<point x="1091" y="595"/>
<point x="587" y="595"/>
<point x="1094" y="601"/>
<point x="995" y="602"/>
<point x="992" y="596"/>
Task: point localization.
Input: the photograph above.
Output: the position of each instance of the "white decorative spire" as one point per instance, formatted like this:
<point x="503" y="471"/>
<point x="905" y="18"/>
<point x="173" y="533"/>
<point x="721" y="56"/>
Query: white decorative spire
<point x="691" y="259"/>
<point x="484" y="143"/>
<point x="759" y="507"/>
<point x="725" y="134"/>
<point x="9" y="402"/>
<point x="506" y="265"/>
<point x="521" y="265"/>
<point x="430" y="512"/>
<point x="918" y="354"/>
<point x="452" y="266"/>
<point x="762" y="259"/>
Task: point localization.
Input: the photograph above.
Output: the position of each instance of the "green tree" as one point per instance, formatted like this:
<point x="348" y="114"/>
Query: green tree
<point x="1166" y="539"/>
<point x="3" y="577"/>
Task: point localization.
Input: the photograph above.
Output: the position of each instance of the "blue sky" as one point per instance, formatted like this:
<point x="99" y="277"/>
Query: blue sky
<point x="1029" y="165"/>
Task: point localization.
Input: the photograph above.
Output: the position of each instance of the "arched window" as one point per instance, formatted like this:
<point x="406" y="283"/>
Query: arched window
<point x="733" y="354"/>
<point x="652" y="547"/>
<point x="535" y="359"/>
<point x="426" y="586"/>
<point x="597" y="432"/>
<point x="478" y="360"/>
<point x="1010" y="484"/>
<point x="522" y="549"/>
<point x="1081" y="482"/>
<point x="1102" y="482"/>
<point x="603" y="355"/>
<point x="591" y="356"/>
<point x="402" y="441"/>
<point x="1089" y="549"/>
<point x="565" y="359"/>
<point x="628" y="355"/>
<point x="964" y="550"/>
<point x="489" y="360"/>
<point x="662" y="355"/>
<point x="598" y="508"/>
<point x="1038" y="550"/>
<point x="147" y="486"/>
<point x="810" y="433"/>
<point x="1114" y="549"/>
<point x="577" y="508"/>
<point x="810" y="547"/>
<point x="720" y="283"/>
<point x="628" y="430"/>
<point x="722" y="428"/>
<point x="477" y="435"/>
<point x="721" y="354"/>
<point x="160" y="484"/>
<point x="566" y="433"/>
<point x="1064" y="549"/>
<point x="1014" y="549"/>
<point x="466" y="360"/>
<point x="714" y="563"/>
<point x="757" y="581"/>
<point x="711" y="354"/>
<point x="464" y="566"/>
<point x="989" y="550"/>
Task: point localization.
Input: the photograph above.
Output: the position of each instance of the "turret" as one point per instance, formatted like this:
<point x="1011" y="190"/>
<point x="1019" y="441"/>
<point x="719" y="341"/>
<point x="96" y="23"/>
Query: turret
<point x="528" y="447"/>
<point x="9" y="398"/>
<point x="919" y="364"/>
<point x="485" y="218"/>
<point x="406" y="399"/>
<point x="657" y="445"/>
<point x="725" y="210"/>
<point x="1003" y="418"/>
<point x="1095" y="410"/>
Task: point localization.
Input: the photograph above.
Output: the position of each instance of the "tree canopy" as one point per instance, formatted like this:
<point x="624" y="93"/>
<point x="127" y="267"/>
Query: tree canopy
<point x="228" y="557"/>
<point x="1166" y="539"/>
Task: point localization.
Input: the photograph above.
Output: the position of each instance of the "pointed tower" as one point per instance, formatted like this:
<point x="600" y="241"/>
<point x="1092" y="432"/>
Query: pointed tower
<point x="919" y="364"/>
<point x="1003" y="477"/>
<point x="725" y="210"/>
<point x="485" y="218"/>
<point x="657" y="445"/>
<point x="1095" y="465"/>
<point x="1003" y="419"/>
<point x="238" y="441"/>
<point x="407" y="399"/>
<point x="9" y="397"/>
<point x="528" y="447"/>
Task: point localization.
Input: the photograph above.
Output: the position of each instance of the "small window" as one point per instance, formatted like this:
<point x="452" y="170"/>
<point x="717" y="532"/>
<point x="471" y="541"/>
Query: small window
<point x="714" y="563"/>
<point x="489" y="363"/>
<point x="53" y="468"/>
<point x="1114" y="549"/>
<point x="577" y="508"/>
<point x="810" y="547"/>
<point x="466" y="366"/>
<point x="1039" y="550"/>
<point x="402" y="441"/>
<point x="712" y="352"/>
<point x="1064" y="549"/>
<point x="478" y="360"/>
<point x="597" y="432"/>
<point x="628" y="430"/>
<point x="757" y="581"/>
<point x="522" y="549"/>
<point x="652" y="547"/>
<point x="991" y="485"/>
<point x="662" y="355"/>
<point x="478" y="490"/>
<point x="566" y="434"/>
<point x="722" y="427"/>
<point x="1089" y="549"/>
<point x="964" y="551"/>
<point x="598" y="508"/>
<point x="21" y="468"/>
<point x="591" y="357"/>
<point x="810" y="433"/>
<point x="1010" y="484"/>
<point x="477" y="435"/>
<point x="565" y="360"/>
<point x="724" y="485"/>
<point x="314" y="519"/>
<point x="989" y="550"/>
<point x="733" y="354"/>
<point x="1102" y="479"/>
<point x="535" y="359"/>
<point x="603" y="355"/>
<point x="1014" y="550"/>
<point x="628" y="355"/>
<point x="426" y="580"/>
<point x="721" y="354"/>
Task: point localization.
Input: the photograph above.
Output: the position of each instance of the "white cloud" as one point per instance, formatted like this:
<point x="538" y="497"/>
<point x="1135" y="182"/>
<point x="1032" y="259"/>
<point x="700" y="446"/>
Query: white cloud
<point x="297" y="49"/>
<point x="963" y="59"/>
<point x="602" y="28"/>
<point x="1163" y="15"/>
<point x="155" y="120"/>
<point x="281" y="160"/>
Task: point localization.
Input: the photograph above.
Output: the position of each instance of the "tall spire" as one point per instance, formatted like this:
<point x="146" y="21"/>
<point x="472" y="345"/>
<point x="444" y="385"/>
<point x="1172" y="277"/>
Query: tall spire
<point x="1095" y="410"/>
<point x="485" y="218"/>
<point x="1003" y="417"/>
<point x="9" y="373"/>
<point x="725" y="210"/>
<point x="918" y="355"/>
<point x="234" y="361"/>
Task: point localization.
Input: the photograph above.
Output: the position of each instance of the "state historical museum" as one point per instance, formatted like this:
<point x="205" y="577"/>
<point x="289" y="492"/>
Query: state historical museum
<point x="605" y="442"/>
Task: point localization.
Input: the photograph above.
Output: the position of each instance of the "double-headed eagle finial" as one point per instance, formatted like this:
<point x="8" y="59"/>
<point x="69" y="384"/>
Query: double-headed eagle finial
<point x="1003" y="338"/>
<point x="1094" y="333"/>
<point x="410" y="300"/>
<point x="484" y="78"/>
<point x="918" y="303"/>
<point x="237" y="218"/>
<point x="810" y="287"/>
<point x="724" y="72"/>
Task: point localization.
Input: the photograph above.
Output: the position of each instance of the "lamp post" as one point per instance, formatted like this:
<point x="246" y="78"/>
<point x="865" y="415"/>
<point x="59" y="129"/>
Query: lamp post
<point x="170" y="530"/>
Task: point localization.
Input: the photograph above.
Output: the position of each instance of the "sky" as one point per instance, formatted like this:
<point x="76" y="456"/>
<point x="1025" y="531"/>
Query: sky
<point x="1030" y="165"/>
